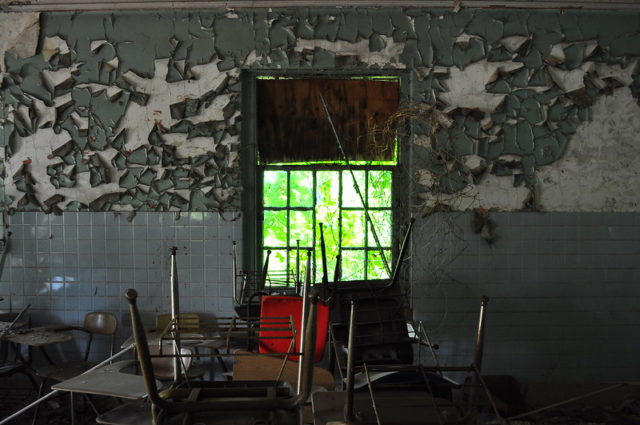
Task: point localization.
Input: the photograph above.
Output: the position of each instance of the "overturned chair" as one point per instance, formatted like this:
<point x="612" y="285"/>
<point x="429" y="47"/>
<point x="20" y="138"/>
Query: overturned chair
<point x="268" y="402"/>
<point x="406" y="394"/>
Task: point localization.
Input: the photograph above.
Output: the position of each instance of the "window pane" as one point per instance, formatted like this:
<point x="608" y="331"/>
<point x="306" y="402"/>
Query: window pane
<point x="293" y="255"/>
<point x="303" y="264"/>
<point x="331" y="238"/>
<point x="301" y="226"/>
<point x="332" y="247"/>
<point x="274" y="189"/>
<point x="277" y="266"/>
<point x="328" y="196"/>
<point x="353" y="228"/>
<point x="379" y="189"/>
<point x="382" y="224"/>
<point x="350" y="197"/>
<point x="291" y="213"/>
<point x="375" y="266"/>
<point x="301" y="188"/>
<point x="352" y="265"/>
<point x="274" y="228"/>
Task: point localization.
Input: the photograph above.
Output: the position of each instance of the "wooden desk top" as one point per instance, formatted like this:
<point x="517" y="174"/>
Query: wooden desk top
<point x="36" y="337"/>
<point x="255" y="367"/>
<point x="108" y="381"/>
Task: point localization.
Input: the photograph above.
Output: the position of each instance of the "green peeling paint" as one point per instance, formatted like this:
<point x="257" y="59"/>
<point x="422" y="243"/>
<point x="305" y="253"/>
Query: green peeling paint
<point x="533" y="125"/>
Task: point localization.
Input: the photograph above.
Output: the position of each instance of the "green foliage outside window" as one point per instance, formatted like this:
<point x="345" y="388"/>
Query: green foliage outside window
<point x="296" y="201"/>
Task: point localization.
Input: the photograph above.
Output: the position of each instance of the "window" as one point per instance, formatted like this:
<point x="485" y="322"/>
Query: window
<point x="307" y="177"/>
<point x="296" y="200"/>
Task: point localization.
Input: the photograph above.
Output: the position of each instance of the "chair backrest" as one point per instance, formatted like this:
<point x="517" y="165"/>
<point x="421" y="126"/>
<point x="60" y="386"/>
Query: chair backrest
<point x="100" y="323"/>
<point x="291" y="306"/>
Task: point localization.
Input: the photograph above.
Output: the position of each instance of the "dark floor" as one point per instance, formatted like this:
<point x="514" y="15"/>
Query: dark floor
<point x="16" y="392"/>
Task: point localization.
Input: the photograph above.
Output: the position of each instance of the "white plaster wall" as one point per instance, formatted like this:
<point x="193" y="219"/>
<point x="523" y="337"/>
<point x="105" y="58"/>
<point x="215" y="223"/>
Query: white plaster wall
<point x="599" y="171"/>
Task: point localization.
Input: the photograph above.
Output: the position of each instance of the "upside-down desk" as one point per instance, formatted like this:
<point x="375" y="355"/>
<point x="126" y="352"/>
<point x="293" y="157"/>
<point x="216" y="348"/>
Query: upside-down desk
<point x="108" y="380"/>
<point x="34" y="337"/>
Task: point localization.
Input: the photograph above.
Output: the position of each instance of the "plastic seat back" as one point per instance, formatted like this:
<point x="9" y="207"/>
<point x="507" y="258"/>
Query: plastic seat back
<point x="101" y="323"/>
<point x="291" y="306"/>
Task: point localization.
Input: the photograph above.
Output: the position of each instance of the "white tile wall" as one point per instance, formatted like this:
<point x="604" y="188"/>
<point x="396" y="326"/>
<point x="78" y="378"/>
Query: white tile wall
<point x="563" y="287"/>
<point x="66" y="266"/>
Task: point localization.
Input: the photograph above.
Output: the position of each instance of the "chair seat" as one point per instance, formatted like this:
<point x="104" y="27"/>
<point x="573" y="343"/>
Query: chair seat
<point x="248" y="368"/>
<point x="65" y="371"/>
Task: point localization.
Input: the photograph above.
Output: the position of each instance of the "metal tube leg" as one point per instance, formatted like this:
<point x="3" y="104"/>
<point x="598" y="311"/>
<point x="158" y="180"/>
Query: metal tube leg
<point x="373" y="400"/>
<point x="73" y="412"/>
<point x="349" y="416"/>
<point x="478" y="352"/>
<point x="303" y="320"/>
<point x="175" y="313"/>
<point x="37" y="409"/>
<point x="92" y="404"/>
<point x="33" y="382"/>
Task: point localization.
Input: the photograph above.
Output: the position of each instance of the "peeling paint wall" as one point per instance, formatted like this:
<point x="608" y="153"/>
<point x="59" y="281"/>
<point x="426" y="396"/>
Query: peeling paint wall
<point x="106" y="118"/>
<point x="140" y="110"/>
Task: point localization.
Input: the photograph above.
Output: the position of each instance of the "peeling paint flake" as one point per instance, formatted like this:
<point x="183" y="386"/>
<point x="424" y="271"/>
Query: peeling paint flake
<point x="54" y="46"/>
<point x="466" y="87"/>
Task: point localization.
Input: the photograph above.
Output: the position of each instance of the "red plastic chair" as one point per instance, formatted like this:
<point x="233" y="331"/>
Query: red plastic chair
<point x="287" y="306"/>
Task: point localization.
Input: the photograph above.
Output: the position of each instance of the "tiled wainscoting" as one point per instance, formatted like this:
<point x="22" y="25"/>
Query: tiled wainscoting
<point x="66" y="266"/>
<point x="564" y="290"/>
<point x="564" y="293"/>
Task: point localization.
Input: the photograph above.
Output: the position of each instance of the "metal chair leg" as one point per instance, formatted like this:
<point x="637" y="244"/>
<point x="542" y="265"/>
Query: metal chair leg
<point x="92" y="404"/>
<point x="34" y="384"/>
<point x="37" y="408"/>
<point x="73" y="410"/>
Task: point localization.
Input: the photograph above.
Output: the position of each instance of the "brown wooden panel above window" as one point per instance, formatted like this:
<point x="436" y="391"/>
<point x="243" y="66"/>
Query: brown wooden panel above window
<point x="293" y="127"/>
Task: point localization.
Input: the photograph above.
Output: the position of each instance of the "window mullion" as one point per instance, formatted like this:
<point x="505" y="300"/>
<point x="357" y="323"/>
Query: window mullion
<point x="313" y="224"/>
<point x="288" y="244"/>
<point x="340" y="217"/>
<point x="365" y="212"/>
